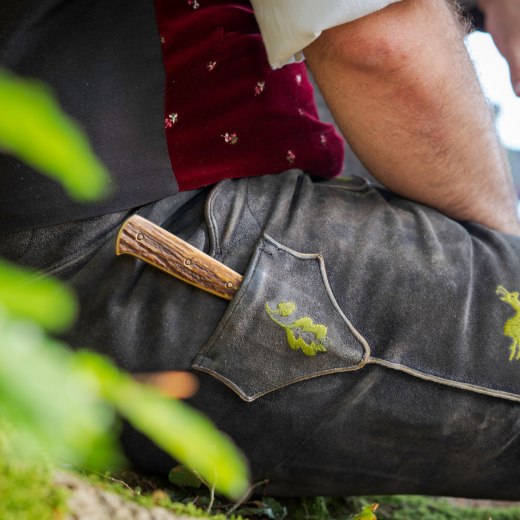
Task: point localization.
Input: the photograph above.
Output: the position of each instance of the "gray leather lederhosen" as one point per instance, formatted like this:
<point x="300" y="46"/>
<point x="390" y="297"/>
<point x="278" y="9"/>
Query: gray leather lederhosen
<point x="415" y="391"/>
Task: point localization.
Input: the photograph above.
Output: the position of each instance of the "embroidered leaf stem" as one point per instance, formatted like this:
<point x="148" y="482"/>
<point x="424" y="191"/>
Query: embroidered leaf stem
<point x="301" y="325"/>
<point x="512" y="325"/>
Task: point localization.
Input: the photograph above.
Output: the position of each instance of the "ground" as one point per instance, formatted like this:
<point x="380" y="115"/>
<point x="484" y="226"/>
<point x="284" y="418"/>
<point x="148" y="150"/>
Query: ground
<point x="36" y="492"/>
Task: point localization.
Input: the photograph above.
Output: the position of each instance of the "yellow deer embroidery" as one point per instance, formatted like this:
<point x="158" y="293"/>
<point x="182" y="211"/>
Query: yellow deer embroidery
<point x="512" y="326"/>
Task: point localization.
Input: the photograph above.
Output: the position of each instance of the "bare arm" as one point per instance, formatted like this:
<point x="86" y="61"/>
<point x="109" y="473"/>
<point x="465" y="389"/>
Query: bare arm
<point x="403" y="90"/>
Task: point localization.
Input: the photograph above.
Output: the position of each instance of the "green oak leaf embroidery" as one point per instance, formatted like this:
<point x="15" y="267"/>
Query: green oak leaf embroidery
<point x="286" y="308"/>
<point x="301" y="325"/>
<point x="512" y="325"/>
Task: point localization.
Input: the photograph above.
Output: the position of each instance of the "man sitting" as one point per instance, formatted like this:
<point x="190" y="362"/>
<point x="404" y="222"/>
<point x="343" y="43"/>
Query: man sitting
<point x="411" y="385"/>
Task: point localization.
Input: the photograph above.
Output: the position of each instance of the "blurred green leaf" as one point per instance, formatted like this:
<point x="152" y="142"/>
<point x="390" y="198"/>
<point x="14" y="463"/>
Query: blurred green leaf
<point x="44" y="300"/>
<point x="180" y="431"/>
<point x="51" y="405"/>
<point x="33" y="127"/>
<point x="56" y="400"/>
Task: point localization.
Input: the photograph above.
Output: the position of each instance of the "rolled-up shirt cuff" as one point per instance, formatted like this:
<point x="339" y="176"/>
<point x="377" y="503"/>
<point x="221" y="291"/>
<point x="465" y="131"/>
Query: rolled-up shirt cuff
<point x="288" y="26"/>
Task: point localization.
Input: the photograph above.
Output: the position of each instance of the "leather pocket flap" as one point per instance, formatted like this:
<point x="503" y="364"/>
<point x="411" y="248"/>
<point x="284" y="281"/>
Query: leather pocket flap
<point x="283" y="326"/>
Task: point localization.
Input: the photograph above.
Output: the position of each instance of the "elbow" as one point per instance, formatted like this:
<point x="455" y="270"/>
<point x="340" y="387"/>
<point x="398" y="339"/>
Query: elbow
<point x="375" y="54"/>
<point x="392" y="39"/>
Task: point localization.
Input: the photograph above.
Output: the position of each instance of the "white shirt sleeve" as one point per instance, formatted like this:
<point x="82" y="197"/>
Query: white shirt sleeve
<point x="288" y="26"/>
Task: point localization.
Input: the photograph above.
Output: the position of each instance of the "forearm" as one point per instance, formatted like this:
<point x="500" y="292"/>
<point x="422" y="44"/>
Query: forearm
<point x="403" y="90"/>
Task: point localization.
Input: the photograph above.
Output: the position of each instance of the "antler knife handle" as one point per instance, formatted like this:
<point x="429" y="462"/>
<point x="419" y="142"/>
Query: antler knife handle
<point x="143" y="239"/>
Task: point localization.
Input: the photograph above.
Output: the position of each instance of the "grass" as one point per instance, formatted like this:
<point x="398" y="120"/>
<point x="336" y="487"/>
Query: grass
<point x="394" y="508"/>
<point x="150" y="492"/>
<point x="185" y="500"/>
<point x="27" y="492"/>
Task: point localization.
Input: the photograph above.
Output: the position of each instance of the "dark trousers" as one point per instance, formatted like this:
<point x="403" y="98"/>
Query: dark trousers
<point x="370" y="348"/>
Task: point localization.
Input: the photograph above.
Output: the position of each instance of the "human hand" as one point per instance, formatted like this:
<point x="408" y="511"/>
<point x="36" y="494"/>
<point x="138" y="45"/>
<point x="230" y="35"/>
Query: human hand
<point x="503" y="23"/>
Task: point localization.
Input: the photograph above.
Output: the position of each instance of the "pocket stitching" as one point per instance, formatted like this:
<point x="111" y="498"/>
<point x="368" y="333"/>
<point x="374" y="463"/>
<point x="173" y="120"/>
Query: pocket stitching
<point x="328" y="289"/>
<point x="206" y="350"/>
<point x="469" y="387"/>
<point x="211" y="220"/>
<point x="204" y="354"/>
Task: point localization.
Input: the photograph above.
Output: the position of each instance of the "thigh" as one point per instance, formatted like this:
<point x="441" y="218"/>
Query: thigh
<point x="364" y="351"/>
<point x="394" y="284"/>
<point x="366" y="346"/>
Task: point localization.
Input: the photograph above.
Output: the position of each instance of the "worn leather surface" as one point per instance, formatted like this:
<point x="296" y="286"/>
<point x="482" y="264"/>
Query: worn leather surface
<point x="247" y="338"/>
<point x="415" y="392"/>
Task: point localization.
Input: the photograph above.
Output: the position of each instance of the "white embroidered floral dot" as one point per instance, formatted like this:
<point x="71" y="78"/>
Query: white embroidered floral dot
<point x="290" y="157"/>
<point x="162" y="40"/>
<point x="211" y="65"/>
<point x="194" y="4"/>
<point x="299" y="79"/>
<point x="259" y="88"/>
<point x="323" y="140"/>
<point x="171" y="120"/>
<point x="230" y="138"/>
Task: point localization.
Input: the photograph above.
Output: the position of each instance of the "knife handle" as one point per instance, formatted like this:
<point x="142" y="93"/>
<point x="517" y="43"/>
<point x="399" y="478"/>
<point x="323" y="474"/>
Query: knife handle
<point x="154" y="245"/>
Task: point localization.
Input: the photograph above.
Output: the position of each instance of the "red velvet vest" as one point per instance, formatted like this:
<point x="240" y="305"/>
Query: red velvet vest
<point x="227" y="113"/>
<point x="203" y="103"/>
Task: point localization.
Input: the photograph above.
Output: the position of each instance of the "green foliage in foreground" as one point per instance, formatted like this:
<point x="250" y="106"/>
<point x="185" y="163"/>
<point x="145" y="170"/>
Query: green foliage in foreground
<point x="56" y="403"/>
<point x="172" y="425"/>
<point x="64" y="403"/>
<point x="52" y="408"/>
<point x="45" y="300"/>
<point x="33" y="128"/>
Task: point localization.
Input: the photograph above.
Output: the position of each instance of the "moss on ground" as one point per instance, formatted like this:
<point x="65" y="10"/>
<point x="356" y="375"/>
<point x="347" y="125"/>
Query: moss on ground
<point x="394" y="508"/>
<point x="180" y="501"/>
<point x="27" y="492"/>
<point x="424" y="508"/>
<point x="150" y="492"/>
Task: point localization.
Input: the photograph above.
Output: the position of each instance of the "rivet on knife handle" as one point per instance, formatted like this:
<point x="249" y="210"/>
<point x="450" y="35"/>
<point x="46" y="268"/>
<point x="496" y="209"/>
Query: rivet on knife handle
<point x="143" y="239"/>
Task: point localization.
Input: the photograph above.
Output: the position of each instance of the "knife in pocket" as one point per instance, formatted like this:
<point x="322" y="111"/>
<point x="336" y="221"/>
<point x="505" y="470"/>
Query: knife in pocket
<point x="141" y="238"/>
